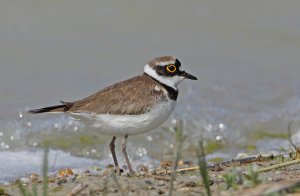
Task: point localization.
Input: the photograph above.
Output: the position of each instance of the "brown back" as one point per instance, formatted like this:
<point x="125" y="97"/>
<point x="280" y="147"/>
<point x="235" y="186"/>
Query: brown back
<point x="133" y="96"/>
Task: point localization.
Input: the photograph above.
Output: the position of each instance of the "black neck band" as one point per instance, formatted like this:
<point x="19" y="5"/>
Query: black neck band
<point x="172" y="93"/>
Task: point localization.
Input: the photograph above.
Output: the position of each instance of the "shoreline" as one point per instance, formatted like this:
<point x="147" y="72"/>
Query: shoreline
<point x="234" y="178"/>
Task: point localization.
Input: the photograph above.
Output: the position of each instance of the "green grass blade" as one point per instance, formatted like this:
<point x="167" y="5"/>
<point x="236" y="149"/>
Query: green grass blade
<point x="45" y="172"/>
<point x="203" y="168"/>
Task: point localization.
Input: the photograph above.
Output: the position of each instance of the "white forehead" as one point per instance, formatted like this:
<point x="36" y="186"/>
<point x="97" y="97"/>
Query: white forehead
<point x="164" y="63"/>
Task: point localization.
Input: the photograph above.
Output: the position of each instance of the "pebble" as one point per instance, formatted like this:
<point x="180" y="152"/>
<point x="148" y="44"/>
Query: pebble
<point x="62" y="181"/>
<point x="160" y="192"/>
<point x="140" y="174"/>
<point x="148" y="182"/>
<point x="277" y="172"/>
<point x="73" y="178"/>
<point x="34" y="177"/>
<point x="25" y="180"/>
<point x="161" y="183"/>
<point x="152" y="171"/>
<point x="185" y="189"/>
<point x="142" y="168"/>
<point x="181" y="163"/>
<point x="190" y="184"/>
<point x="65" y="172"/>
<point x="242" y="155"/>
<point x="166" y="164"/>
<point x="6" y="183"/>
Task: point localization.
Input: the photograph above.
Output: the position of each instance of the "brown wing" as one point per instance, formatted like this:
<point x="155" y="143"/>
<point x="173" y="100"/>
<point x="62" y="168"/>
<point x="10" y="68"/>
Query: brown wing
<point x="133" y="96"/>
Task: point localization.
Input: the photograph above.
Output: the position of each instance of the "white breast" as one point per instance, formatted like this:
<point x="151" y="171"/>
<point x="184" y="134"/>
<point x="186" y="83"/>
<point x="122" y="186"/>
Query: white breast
<point x="120" y="125"/>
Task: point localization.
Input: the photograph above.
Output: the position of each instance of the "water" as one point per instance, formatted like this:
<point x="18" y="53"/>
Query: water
<point x="245" y="54"/>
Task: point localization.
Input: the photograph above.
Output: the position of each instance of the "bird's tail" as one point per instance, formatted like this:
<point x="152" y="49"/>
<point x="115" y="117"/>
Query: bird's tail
<point x="65" y="106"/>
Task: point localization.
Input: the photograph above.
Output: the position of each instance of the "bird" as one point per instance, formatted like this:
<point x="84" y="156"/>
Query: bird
<point x="134" y="106"/>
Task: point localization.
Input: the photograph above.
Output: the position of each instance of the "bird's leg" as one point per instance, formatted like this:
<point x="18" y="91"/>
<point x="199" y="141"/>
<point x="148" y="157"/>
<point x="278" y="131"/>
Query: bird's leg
<point x="112" y="149"/>
<point x="125" y="154"/>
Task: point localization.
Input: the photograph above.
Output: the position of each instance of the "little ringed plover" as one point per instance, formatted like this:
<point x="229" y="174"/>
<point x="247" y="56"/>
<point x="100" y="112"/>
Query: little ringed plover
<point x="131" y="107"/>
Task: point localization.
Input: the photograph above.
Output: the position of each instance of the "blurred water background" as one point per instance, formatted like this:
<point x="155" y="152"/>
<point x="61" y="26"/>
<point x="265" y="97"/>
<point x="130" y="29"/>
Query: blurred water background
<point x="246" y="55"/>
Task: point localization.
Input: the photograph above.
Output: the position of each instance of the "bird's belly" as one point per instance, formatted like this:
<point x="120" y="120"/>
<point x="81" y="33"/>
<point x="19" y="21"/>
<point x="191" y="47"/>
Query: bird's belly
<point x="120" y="125"/>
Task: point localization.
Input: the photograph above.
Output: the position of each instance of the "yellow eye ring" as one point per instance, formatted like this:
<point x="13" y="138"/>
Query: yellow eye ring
<point x="171" y="68"/>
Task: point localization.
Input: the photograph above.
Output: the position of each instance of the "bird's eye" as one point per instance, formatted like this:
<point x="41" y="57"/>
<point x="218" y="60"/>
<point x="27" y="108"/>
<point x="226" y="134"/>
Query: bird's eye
<point x="171" y="68"/>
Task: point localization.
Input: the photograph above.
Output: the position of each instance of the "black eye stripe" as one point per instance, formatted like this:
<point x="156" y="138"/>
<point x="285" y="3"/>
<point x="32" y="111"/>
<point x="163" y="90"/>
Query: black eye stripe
<point x="163" y="71"/>
<point x="177" y="63"/>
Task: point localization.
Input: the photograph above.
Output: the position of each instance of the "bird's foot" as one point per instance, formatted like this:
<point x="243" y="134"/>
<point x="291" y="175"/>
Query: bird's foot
<point x="131" y="170"/>
<point x="131" y="173"/>
<point x="119" y="171"/>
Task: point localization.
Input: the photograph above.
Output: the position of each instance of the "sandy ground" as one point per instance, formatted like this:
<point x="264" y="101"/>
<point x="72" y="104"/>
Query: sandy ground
<point x="233" y="179"/>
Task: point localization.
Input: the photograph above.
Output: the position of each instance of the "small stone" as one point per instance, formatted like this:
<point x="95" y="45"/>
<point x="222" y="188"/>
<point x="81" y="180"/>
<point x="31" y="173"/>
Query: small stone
<point x="34" y="177"/>
<point x="148" y="182"/>
<point x="73" y="178"/>
<point x="151" y="188"/>
<point x="142" y="168"/>
<point x="25" y="180"/>
<point x="140" y="174"/>
<point x="152" y="171"/>
<point x="51" y="179"/>
<point x="161" y="183"/>
<point x="166" y="164"/>
<point x="180" y="163"/>
<point x="65" y="172"/>
<point x="242" y="155"/>
<point x="277" y="172"/>
<point x="62" y="181"/>
<point x="7" y="184"/>
<point x="190" y="184"/>
<point x="185" y="189"/>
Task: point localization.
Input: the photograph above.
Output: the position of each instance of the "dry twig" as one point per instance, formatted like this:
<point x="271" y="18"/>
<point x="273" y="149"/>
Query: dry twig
<point x="277" y="166"/>
<point x="245" y="160"/>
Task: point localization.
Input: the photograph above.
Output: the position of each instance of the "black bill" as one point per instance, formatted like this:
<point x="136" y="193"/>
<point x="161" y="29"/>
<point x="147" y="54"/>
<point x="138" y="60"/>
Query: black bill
<point x="187" y="75"/>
